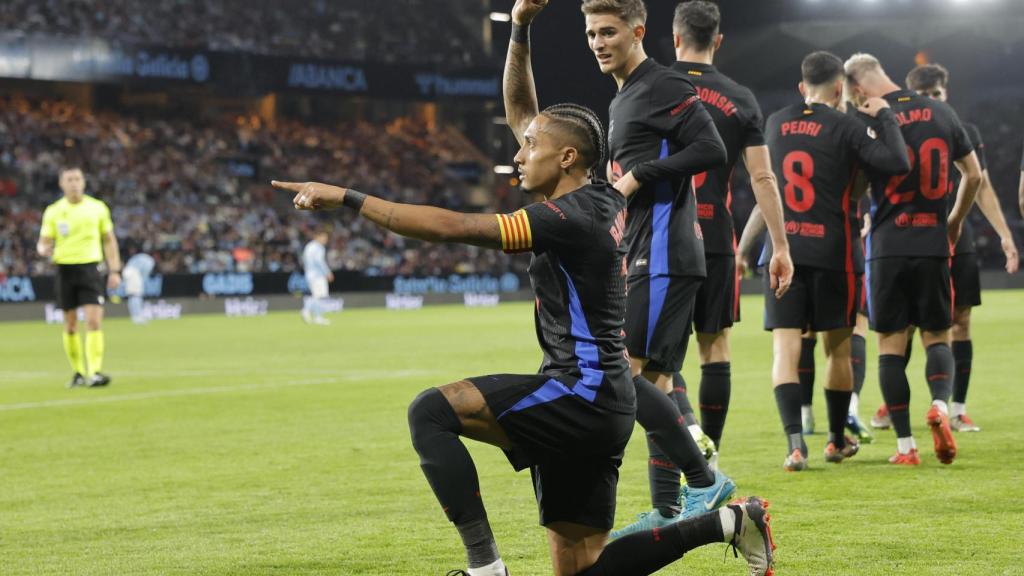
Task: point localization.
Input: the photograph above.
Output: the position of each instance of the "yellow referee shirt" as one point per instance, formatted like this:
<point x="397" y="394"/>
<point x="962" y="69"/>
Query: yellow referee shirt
<point x="77" y="230"/>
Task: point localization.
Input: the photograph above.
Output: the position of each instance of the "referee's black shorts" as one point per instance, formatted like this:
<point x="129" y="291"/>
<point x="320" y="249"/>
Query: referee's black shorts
<point x="572" y="446"/>
<point x="659" y="319"/>
<point x="78" y="285"/>
<point x="966" y="280"/>
<point x="905" y="290"/>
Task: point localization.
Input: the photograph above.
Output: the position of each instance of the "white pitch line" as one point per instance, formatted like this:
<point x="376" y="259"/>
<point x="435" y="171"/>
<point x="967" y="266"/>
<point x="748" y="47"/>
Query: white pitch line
<point x="363" y="375"/>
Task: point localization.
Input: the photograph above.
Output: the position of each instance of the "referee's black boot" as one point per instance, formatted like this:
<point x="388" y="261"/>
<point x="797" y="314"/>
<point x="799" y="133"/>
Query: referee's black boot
<point x="98" y="380"/>
<point x="76" y="381"/>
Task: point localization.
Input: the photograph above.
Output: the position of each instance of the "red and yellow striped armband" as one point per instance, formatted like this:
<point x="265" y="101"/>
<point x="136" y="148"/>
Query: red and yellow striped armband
<point x="515" y="232"/>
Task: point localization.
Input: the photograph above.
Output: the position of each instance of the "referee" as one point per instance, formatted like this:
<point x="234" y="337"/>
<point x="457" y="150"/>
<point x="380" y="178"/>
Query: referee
<point x="74" y="230"/>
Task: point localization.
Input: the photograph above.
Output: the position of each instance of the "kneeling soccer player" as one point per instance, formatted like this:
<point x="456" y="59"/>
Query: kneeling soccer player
<point x="569" y="423"/>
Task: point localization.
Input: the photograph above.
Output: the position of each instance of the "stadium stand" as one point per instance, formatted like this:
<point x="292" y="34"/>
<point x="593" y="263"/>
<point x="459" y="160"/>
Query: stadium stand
<point x="175" y="191"/>
<point x="401" y="31"/>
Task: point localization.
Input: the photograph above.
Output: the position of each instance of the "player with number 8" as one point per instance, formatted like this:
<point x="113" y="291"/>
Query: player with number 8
<point x="817" y="150"/>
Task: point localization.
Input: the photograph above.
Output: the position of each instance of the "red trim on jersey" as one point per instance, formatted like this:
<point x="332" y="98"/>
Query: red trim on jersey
<point x="851" y="280"/>
<point x="736" y="272"/>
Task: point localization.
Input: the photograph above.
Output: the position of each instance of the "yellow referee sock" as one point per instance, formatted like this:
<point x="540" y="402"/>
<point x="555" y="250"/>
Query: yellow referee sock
<point x="94" y="350"/>
<point x="73" y="350"/>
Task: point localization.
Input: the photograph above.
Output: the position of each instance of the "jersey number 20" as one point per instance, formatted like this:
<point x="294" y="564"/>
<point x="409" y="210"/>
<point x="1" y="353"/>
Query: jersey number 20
<point x="931" y="150"/>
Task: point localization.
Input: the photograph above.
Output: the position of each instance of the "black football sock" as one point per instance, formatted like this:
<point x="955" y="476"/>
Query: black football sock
<point x="647" y="552"/>
<point x="660" y="417"/>
<point x="963" y="354"/>
<point x="805" y="370"/>
<point x="715" y="390"/>
<point x="892" y="375"/>
<point x="906" y="353"/>
<point x="858" y="361"/>
<point x="838" y="406"/>
<point x="787" y="397"/>
<point x="450" y="471"/>
<point x="939" y="367"/>
<point x="663" y="477"/>
<point x="681" y="396"/>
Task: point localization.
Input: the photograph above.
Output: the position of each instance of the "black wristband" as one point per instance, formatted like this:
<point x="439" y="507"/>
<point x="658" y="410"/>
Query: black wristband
<point x="353" y="199"/>
<point x="521" y="33"/>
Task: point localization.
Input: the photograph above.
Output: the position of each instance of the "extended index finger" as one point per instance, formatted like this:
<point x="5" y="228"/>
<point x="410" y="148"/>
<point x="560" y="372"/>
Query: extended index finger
<point x="291" y="186"/>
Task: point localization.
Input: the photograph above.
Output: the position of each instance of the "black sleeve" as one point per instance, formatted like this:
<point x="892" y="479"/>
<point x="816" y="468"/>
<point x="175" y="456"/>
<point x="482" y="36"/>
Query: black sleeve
<point x="962" y="146"/>
<point x="882" y="148"/>
<point x="677" y="113"/>
<point x="552" y="224"/>
<point x="752" y="131"/>
<point x="979" y="145"/>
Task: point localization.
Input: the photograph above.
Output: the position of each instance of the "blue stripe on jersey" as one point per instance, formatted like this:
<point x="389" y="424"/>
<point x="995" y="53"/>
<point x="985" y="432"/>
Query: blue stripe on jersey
<point x="548" y="392"/>
<point x="658" y="266"/>
<point x="586" y="346"/>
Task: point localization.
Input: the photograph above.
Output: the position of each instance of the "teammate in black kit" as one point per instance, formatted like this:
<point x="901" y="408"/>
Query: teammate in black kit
<point x="659" y="135"/>
<point x="909" y="246"/>
<point x="569" y="423"/>
<point x="817" y="150"/>
<point x="738" y="119"/>
<point x="931" y="80"/>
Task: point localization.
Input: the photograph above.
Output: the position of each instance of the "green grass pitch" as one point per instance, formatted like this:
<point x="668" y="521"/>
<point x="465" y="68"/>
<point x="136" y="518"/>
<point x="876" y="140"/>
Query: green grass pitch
<point x="266" y="446"/>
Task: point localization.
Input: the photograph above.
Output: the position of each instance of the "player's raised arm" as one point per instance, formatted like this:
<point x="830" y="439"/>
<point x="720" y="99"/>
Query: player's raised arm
<point x="886" y="151"/>
<point x="419" y="222"/>
<point x="518" y="89"/>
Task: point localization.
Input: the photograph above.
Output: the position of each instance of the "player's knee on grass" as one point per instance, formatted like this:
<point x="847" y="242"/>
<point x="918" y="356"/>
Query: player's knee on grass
<point x="574" y="547"/>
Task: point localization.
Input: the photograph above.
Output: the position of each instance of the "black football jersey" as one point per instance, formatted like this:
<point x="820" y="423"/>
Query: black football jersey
<point x="909" y="211"/>
<point x="966" y="243"/>
<point x="739" y="122"/>
<point x="659" y="130"/>
<point x="816" y="152"/>
<point x="578" y="274"/>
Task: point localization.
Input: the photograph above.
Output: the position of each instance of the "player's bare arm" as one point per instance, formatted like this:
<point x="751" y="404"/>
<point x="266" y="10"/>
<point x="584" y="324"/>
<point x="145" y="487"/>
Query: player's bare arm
<point x="766" y="192"/>
<point x="112" y="253"/>
<point x="754" y="228"/>
<point x="988" y="203"/>
<point x="420" y="222"/>
<point x="1020" y="194"/>
<point x="518" y="88"/>
<point x="972" y="181"/>
<point x="45" y="246"/>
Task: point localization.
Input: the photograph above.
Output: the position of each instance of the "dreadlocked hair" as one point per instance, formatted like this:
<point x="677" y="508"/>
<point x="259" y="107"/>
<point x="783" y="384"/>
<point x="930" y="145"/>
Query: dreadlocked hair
<point x="587" y="131"/>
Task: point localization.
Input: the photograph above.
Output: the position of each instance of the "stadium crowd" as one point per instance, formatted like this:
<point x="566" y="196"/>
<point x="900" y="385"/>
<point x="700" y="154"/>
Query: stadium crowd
<point x="175" y="189"/>
<point x="395" y="31"/>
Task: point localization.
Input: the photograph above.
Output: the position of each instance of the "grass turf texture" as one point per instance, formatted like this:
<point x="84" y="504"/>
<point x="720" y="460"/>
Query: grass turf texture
<point x="266" y="446"/>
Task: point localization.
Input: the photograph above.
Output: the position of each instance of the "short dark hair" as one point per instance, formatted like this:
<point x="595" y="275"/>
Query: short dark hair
<point x="629" y="11"/>
<point x="68" y="167"/>
<point x="584" y="129"/>
<point x="927" y="76"/>
<point x="820" y="68"/>
<point x="697" y="22"/>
